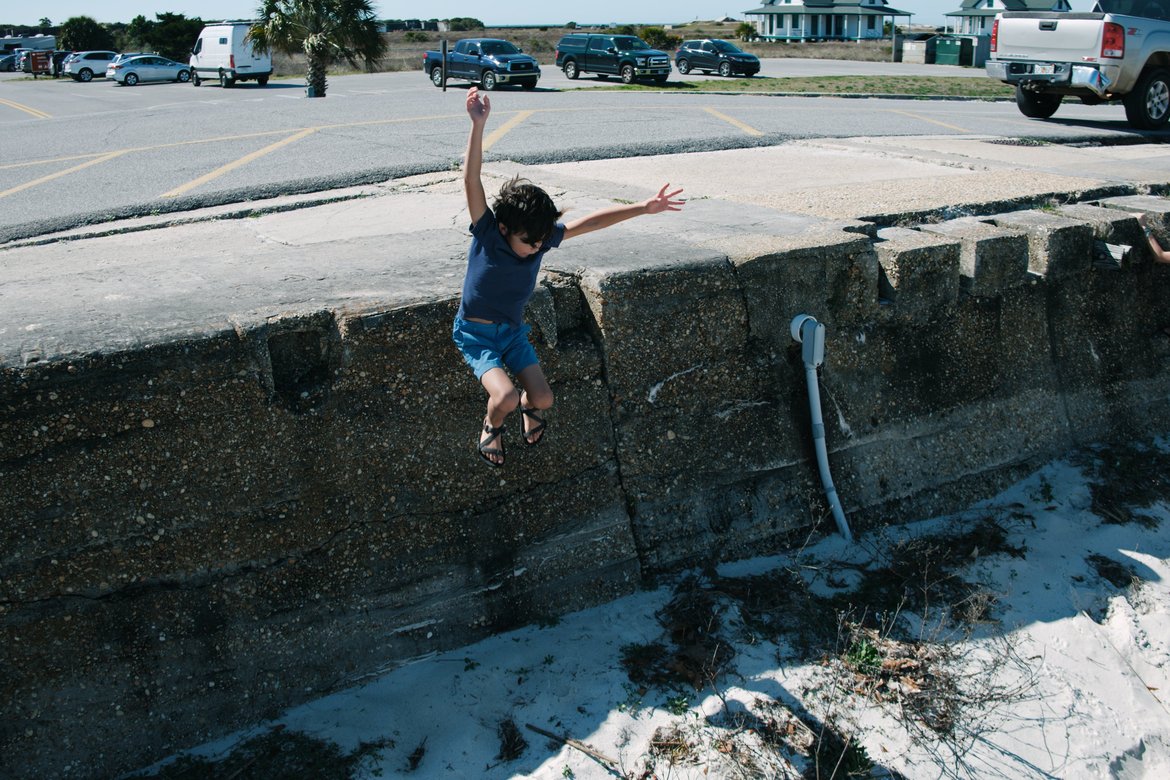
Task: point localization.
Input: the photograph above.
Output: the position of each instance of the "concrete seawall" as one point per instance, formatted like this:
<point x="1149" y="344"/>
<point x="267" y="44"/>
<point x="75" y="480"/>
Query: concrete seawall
<point x="240" y="507"/>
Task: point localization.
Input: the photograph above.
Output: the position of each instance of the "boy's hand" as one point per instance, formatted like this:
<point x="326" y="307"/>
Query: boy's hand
<point x="663" y="201"/>
<point x="478" y="108"/>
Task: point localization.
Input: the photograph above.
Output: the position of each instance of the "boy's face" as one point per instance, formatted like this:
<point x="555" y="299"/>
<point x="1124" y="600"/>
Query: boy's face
<point x="520" y="243"/>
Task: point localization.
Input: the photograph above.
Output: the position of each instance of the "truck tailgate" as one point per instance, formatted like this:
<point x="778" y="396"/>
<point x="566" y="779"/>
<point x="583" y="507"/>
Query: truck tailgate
<point x="1053" y="37"/>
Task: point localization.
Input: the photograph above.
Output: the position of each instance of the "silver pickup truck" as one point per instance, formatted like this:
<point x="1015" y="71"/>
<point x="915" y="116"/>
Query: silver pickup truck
<point x="1119" y="51"/>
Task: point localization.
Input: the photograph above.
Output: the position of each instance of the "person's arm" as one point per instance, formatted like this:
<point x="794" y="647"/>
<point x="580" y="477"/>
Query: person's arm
<point x="478" y="109"/>
<point x="1160" y="254"/>
<point x="604" y="218"/>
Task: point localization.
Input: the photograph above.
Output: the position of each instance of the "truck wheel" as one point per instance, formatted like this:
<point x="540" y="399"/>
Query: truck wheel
<point x="488" y="80"/>
<point x="628" y="74"/>
<point x="262" y="81"/>
<point x="571" y="71"/>
<point x="195" y="78"/>
<point x="1037" y="105"/>
<point x="530" y="84"/>
<point x="437" y="76"/>
<point x="683" y="66"/>
<point x="226" y="81"/>
<point x="1148" y="106"/>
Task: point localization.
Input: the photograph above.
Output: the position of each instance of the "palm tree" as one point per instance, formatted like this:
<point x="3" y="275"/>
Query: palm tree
<point x="324" y="30"/>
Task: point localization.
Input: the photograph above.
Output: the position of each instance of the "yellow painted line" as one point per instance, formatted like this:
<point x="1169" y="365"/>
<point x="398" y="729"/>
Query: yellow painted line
<point x="248" y="158"/>
<point x="925" y="119"/>
<point x="55" y="160"/>
<point x="731" y="120"/>
<point x="505" y="128"/>
<point x="59" y="174"/>
<point x="172" y="145"/>
<point x="36" y="112"/>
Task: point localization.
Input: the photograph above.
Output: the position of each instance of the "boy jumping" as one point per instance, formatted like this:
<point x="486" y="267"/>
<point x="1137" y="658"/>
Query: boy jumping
<point x="507" y="246"/>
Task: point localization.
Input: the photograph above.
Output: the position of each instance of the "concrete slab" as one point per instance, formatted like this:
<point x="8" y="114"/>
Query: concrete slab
<point x="120" y="284"/>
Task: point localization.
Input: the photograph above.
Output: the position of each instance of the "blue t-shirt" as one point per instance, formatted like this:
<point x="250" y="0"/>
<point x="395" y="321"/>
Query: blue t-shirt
<point x="498" y="282"/>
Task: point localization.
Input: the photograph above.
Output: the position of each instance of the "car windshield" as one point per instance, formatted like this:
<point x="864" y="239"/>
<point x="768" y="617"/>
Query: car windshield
<point x="499" y="47"/>
<point x="725" y="46"/>
<point x="628" y="42"/>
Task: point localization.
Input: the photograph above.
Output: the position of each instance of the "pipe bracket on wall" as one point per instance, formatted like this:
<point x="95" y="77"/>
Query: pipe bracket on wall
<point x="810" y="334"/>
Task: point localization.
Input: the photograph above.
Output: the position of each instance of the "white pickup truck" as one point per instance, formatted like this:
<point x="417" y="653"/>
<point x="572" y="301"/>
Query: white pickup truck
<point x="1119" y="51"/>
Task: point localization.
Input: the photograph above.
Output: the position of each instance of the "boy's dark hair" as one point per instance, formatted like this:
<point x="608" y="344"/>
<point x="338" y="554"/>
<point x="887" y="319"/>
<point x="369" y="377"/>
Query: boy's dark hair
<point x="525" y="209"/>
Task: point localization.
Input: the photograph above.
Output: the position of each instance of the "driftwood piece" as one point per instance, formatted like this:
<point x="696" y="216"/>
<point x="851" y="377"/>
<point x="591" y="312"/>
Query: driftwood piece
<point x="577" y="744"/>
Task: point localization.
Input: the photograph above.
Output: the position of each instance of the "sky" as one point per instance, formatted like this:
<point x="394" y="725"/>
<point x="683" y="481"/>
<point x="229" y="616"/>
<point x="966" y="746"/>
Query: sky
<point x="501" y="12"/>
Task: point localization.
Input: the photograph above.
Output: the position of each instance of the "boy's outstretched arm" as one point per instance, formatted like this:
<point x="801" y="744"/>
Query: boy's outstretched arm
<point x="478" y="109"/>
<point x="663" y="201"/>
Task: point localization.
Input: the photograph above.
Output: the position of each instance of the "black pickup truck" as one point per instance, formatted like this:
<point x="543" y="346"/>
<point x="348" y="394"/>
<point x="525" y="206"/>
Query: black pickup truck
<point x="485" y="61"/>
<point x="625" y="56"/>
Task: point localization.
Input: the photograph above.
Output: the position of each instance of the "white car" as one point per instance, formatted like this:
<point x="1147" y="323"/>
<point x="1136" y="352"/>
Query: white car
<point x="84" y="65"/>
<point x="147" y="68"/>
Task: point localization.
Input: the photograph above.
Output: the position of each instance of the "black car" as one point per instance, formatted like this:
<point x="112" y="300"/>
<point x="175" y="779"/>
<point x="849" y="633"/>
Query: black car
<point x="712" y="54"/>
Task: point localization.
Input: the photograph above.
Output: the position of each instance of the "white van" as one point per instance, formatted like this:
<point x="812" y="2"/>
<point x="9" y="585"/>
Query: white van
<point x="224" y="52"/>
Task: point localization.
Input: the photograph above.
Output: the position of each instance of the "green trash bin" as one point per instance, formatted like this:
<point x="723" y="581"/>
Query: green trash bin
<point x="947" y="51"/>
<point x="953" y="51"/>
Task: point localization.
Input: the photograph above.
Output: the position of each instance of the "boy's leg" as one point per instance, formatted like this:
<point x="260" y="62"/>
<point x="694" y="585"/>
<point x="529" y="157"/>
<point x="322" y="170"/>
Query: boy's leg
<point x="502" y="400"/>
<point x="537" y="395"/>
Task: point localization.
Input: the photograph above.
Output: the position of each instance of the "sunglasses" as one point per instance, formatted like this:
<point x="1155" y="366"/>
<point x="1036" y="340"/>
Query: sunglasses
<point x="534" y="244"/>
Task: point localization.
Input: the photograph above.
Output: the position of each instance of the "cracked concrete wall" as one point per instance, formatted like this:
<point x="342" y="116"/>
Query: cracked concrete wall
<point x="201" y="533"/>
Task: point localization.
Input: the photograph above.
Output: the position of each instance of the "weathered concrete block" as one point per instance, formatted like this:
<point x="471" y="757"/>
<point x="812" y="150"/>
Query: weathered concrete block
<point x="1157" y="211"/>
<point x="1114" y="227"/>
<point x="831" y="275"/>
<point x="992" y="260"/>
<point x="695" y="409"/>
<point x="1157" y="208"/>
<point x="1057" y="245"/>
<point x="922" y="270"/>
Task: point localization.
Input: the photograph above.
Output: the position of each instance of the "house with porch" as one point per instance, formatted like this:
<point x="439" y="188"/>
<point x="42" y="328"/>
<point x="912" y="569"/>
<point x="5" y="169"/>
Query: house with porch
<point x="821" y="20"/>
<point x="975" y="17"/>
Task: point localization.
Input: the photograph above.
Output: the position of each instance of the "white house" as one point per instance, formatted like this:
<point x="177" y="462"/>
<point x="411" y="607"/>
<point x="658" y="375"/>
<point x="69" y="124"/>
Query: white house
<point x="821" y="20"/>
<point x="976" y="16"/>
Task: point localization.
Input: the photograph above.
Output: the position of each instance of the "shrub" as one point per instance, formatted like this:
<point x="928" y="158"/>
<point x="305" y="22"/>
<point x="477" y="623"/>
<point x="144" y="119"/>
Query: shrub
<point x="464" y="23"/>
<point x="659" y="38"/>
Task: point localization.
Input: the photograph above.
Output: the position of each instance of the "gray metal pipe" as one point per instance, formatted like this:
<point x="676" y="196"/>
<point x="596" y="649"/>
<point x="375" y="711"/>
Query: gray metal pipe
<point x="810" y="334"/>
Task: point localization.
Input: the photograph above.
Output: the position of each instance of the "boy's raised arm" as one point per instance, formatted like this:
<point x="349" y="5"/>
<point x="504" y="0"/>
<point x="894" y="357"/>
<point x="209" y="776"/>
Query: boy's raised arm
<point x="478" y="109"/>
<point x="663" y="201"/>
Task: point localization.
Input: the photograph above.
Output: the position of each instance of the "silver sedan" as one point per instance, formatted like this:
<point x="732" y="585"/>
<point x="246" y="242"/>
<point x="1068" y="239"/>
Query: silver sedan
<point x="147" y="68"/>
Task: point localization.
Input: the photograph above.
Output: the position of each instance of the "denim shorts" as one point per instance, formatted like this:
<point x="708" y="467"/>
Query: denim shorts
<point x="497" y="345"/>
